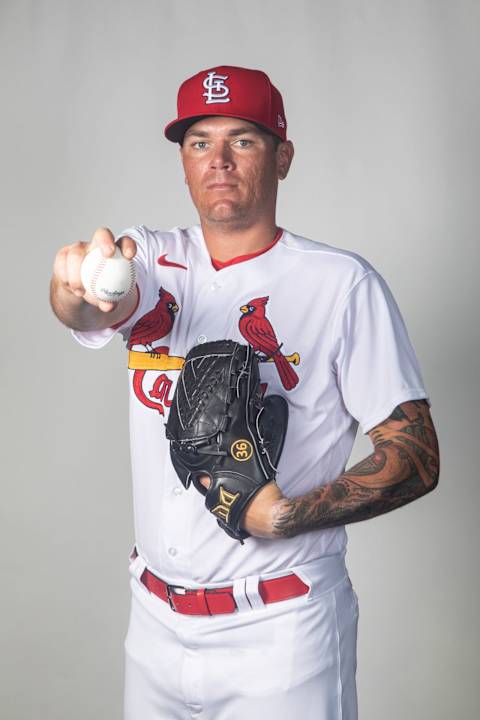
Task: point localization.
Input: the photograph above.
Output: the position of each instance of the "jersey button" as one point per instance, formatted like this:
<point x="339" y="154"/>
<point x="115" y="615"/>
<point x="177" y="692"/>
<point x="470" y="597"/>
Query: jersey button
<point x="172" y="551"/>
<point x="202" y="338"/>
<point x="215" y="286"/>
<point x="177" y="491"/>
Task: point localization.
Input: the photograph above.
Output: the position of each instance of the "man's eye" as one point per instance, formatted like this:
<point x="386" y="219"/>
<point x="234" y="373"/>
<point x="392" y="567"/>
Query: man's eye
<point x="200" y="144"/>
<point x="243" y="142"/>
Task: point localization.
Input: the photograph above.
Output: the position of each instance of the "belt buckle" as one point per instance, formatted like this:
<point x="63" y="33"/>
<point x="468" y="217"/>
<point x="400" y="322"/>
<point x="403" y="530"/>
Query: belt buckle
<point x="176" y="590"/>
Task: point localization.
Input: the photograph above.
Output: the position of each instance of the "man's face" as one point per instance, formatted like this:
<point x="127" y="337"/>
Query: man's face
<point x="232" y="170"/>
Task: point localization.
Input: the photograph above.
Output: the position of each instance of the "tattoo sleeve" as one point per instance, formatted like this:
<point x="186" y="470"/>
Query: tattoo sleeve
<point x="403" y="467"/>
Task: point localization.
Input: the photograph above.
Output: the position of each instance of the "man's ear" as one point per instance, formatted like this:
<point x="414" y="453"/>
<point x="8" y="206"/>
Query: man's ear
<point x="285" y="153"/>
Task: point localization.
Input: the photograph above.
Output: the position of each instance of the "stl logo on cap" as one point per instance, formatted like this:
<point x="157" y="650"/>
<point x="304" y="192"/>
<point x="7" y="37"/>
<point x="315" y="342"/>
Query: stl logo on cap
<point x="217" y="91"/>
<point x="229" y="91"/>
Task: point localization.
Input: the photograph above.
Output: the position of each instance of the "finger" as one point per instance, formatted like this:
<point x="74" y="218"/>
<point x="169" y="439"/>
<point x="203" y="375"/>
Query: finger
<point x="106" y="307"/>
<point x="128" y="246"/>
<point x="104" y="239"/>
<point x="60" y="266"/>
<point x="205" y="481"/>
<point x="74" y="259"/>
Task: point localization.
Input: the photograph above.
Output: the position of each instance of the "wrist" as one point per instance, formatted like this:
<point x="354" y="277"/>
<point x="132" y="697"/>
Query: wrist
<point x="277" y="512"/>
<point x="257" y="519"/>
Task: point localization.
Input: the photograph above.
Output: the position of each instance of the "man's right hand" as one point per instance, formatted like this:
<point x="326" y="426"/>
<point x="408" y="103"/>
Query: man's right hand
<point x="71" y="302"/>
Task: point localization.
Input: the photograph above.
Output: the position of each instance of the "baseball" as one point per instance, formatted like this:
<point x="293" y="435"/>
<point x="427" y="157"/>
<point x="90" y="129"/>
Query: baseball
<point x="108" y="279"/>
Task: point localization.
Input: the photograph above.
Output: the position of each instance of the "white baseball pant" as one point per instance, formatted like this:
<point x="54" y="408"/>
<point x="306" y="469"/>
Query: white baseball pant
<point x="294" y="658"/>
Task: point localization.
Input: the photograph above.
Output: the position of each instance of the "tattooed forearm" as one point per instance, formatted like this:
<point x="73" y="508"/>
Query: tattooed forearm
<point x="403" y="466"/>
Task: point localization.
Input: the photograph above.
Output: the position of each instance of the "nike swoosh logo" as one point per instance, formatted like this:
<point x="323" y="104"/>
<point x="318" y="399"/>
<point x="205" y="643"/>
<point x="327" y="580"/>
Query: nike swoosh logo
<point x="162" y="260"/>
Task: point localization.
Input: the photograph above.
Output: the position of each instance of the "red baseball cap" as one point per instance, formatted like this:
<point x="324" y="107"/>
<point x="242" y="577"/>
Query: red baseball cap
<point x="232" y="92"/>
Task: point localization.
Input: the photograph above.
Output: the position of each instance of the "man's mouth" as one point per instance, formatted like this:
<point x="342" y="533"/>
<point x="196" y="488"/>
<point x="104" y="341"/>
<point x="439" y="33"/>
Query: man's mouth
<point x="219" y="186"/>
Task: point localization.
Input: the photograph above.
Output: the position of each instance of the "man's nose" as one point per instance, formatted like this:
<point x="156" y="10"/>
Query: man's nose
<point x="222" y="158"/>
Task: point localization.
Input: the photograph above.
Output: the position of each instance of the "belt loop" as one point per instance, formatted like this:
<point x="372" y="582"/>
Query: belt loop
<point x="137" y="567"/>
<point x="202" y="601"/>
<point x="251" y="591"/>
<point x="240" y="595"/>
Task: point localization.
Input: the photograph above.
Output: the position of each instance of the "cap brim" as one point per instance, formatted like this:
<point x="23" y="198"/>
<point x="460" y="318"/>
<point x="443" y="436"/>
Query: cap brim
<point x="176" y="129"/>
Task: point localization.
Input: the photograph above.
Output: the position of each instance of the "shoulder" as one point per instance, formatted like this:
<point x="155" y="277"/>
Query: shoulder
<point x="327" y="259"/>
<point x="151" y="243"/>
<point x="145" y="235"/>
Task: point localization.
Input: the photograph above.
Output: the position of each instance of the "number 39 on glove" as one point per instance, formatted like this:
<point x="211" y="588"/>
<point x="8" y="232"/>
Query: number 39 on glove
<point x="219" y="425"/>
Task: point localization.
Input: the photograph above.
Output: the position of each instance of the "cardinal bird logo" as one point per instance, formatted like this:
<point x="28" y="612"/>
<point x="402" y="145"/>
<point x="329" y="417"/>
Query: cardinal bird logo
<point x="258" y="331"/>
<point x="156" y="324"/>
<point x="153" y="326"/>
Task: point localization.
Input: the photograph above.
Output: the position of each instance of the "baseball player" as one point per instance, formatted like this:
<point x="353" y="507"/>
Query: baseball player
<point x="266" y="627"/>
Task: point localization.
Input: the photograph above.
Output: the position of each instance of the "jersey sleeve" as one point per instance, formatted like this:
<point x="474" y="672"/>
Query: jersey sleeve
<point x="374" y="360"/>
<point x="99" y="338"/>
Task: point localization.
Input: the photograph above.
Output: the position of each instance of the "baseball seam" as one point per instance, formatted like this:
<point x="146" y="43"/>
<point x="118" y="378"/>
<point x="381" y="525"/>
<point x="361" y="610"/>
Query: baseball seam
<point x="98" y="272"/>
<point x="96" y="275"/>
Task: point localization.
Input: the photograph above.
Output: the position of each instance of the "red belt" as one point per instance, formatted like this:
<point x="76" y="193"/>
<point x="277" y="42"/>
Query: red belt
<point x="216" y="601"/>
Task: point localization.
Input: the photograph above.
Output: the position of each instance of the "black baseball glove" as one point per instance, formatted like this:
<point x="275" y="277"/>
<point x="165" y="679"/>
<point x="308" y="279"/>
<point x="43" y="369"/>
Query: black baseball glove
<point x="220" y="426"/>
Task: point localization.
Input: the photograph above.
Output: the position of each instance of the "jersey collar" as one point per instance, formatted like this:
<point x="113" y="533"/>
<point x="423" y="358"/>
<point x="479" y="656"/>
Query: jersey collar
<point x="219" y="264"/>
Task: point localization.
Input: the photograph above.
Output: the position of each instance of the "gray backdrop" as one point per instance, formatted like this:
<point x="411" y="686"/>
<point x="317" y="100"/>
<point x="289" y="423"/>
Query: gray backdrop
<point x="382" y="103"/>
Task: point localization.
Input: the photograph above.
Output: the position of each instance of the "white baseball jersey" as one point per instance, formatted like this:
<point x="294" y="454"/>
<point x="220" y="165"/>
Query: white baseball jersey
<point x="345" y="359"/>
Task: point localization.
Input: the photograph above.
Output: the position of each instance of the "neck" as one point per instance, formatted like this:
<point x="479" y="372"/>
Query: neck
<point x="225" y="242"/>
